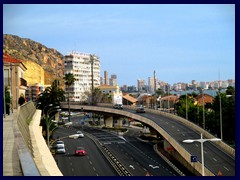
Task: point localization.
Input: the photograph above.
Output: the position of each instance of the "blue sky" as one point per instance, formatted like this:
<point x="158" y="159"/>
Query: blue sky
<point x="180" y="42"/>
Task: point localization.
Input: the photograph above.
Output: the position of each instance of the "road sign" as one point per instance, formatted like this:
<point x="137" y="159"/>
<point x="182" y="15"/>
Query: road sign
<point x="193" y="158"/>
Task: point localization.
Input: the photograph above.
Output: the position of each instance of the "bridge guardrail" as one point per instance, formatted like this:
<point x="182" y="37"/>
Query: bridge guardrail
<point x="23" y="139"/>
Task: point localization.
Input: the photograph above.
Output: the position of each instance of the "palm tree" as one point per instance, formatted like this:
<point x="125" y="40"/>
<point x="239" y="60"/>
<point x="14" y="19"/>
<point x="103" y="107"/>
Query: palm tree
<point x="69" y="80"/>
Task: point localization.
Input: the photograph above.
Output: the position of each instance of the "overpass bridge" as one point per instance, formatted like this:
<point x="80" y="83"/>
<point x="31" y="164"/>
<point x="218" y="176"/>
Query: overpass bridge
<point x="219" y="157"/>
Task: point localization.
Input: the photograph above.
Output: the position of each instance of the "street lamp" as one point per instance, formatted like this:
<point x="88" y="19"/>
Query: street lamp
<point x="52" y="109"/>
<point x="46" y="107"/>
<point x="73" y="136"/>
<point x="220" y="104"/>
<point x="186" y="103"/>
<point x="201" y="141"/>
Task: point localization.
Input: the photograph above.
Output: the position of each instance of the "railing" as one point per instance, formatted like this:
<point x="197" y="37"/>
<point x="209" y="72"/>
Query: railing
<point x="23" y="139"/>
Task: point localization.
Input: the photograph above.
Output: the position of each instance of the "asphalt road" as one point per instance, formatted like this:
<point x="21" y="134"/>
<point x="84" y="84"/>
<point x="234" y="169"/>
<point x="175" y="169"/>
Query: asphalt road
<point x="140" y="159"/>
<point x="93" y="164"/>
<point x="214" y="158"/>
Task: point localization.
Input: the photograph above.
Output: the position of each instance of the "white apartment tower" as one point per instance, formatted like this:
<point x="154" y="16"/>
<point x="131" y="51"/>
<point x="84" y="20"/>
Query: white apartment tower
<point x="80" y="65"/>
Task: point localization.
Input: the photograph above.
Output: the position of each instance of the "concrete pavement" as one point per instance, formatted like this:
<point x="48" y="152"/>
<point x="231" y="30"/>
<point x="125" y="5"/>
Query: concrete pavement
<point x="11" y="164"/>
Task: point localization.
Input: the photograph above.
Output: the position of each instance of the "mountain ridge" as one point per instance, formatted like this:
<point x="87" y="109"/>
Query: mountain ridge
<point x="35" y="56"/>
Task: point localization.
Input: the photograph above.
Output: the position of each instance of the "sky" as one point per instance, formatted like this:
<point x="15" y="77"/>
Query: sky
<point x="181" y="42"/>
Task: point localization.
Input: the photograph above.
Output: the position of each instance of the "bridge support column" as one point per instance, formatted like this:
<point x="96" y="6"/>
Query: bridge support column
<point x="153" y="132"/>
<point x="108" y="120"/>
<point x="118" y="122"/>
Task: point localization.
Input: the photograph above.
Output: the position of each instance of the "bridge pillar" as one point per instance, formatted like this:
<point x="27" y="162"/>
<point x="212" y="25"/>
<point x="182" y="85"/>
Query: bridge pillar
<point x="153" y="132"/>
<point x="118" y="122"/>
<point x="108" y="120"/>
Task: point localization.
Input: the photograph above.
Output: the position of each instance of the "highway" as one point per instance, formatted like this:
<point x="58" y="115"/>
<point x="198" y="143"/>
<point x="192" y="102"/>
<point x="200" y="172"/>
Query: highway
<point x="138" y="157"/>
<point x="138" y="160"/>
<point x="93" y="164"/>
<point x="215" y="159"/>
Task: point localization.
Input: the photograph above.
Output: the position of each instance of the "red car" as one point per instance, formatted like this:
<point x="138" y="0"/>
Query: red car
<point x="80" y="151"/>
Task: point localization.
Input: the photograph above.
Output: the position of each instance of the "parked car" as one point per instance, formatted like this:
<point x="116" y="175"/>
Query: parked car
<point x="80" y="134"/>
<point x="80" y="151"/>
<point x="60" y="150"/>
<point x="118" y="106"/>
<point x="140" y="109"/>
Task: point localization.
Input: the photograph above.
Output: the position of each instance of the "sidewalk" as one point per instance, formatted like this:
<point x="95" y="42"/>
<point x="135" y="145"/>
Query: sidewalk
<point x="11" y="164"/>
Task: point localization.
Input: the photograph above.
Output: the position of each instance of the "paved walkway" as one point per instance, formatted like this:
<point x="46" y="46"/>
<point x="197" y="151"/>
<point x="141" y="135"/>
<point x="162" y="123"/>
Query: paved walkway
<point x="11" y="164"/>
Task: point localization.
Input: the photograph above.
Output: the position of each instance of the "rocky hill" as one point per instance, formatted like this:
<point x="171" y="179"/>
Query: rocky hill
<point x="39" y="59"/>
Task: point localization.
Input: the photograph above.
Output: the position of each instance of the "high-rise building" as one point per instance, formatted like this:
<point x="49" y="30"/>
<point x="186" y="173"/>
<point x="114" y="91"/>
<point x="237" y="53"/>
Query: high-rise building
<point x="113" y="80"/>
<point x="81" y="65"/>
<point x="141" y="86"/>
<point x="152" y="84"/>
<point x="105" y="77"/>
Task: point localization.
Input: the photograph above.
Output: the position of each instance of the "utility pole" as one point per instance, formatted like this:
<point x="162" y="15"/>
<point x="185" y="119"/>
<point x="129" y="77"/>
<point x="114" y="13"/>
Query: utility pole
<point x="203" y="109"/>
<point x="186" y="103"/>
<point x="91" y="61"/>
<point x="155" y="93"/>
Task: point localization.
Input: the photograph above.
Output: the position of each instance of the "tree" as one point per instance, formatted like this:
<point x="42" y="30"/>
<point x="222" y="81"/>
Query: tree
<point x="51" y="95"/>
<point x="228" y="115"/>
<point x="69" y="80"/>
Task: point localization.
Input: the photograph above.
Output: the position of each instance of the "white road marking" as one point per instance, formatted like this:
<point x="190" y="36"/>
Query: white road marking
<point x="214" y="159"/>
<point x="226" y="168"/>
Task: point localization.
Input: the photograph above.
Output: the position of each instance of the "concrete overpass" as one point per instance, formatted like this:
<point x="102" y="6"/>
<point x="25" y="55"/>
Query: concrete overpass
<point x="174" y="130"/>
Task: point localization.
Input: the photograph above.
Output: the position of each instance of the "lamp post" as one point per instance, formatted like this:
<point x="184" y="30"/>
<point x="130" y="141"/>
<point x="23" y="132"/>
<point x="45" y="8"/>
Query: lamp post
<point x="73" y="136"/>
<point x="201" y="141"/>
<point x="49" y="122"/>
<point x="186" y="103"/>
<point x="46" y="107"/>
<point x="91" y="61"/>
<point x="220" y="110"/>
<point x="203" y="109"/>
<point x="55" y="108"/>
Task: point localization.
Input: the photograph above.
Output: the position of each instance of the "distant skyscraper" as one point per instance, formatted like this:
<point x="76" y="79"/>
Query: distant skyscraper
<point x="141" y="85"/>
<point x="113" y="80"/>
<point x="151" y="84"/>
<point x="105" y="77"/>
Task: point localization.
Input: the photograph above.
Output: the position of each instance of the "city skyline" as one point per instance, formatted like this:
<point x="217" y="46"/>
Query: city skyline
<point x="180" y="42"/>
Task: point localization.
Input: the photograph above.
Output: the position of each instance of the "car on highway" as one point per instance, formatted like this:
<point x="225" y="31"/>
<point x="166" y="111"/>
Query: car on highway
<point x="118" y="106"/>
<point x="80" y="134"/>
<point x="58" y="144"/>
<point x="80" y="151"/>
<point x="60" y="150"/>
<point x="140" y="109"/>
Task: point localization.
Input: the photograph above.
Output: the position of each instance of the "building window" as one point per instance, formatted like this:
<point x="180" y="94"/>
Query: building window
<point x="6" y="77"/>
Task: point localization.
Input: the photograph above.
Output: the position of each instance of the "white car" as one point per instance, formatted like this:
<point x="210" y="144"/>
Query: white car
<point x="80" y="134"/>
<point x="59" y="144"/>
<point x="60" y="150"/>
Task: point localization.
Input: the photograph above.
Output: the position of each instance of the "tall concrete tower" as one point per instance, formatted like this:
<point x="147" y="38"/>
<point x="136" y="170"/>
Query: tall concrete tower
<point x="105" y="77"/>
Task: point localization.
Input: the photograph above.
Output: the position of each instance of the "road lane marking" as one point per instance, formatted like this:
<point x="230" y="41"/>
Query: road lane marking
<point x="214" y="159"/>
<point x="226" y="168"/>
<point x="90" y="162"/>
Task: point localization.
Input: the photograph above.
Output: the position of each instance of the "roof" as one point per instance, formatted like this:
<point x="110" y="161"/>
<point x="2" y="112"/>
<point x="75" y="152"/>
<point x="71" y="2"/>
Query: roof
<point x="130" y="98"/>
<point x="170" y="98"/>
<point x="7" y="58"/>
<point x="207" y="99"/>
<point x="105" y="86"/>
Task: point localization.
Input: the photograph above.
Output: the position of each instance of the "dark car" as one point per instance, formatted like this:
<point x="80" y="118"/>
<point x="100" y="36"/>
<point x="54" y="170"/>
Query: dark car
<point x="118" y="106"/>
<point x="140" y="109"/>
